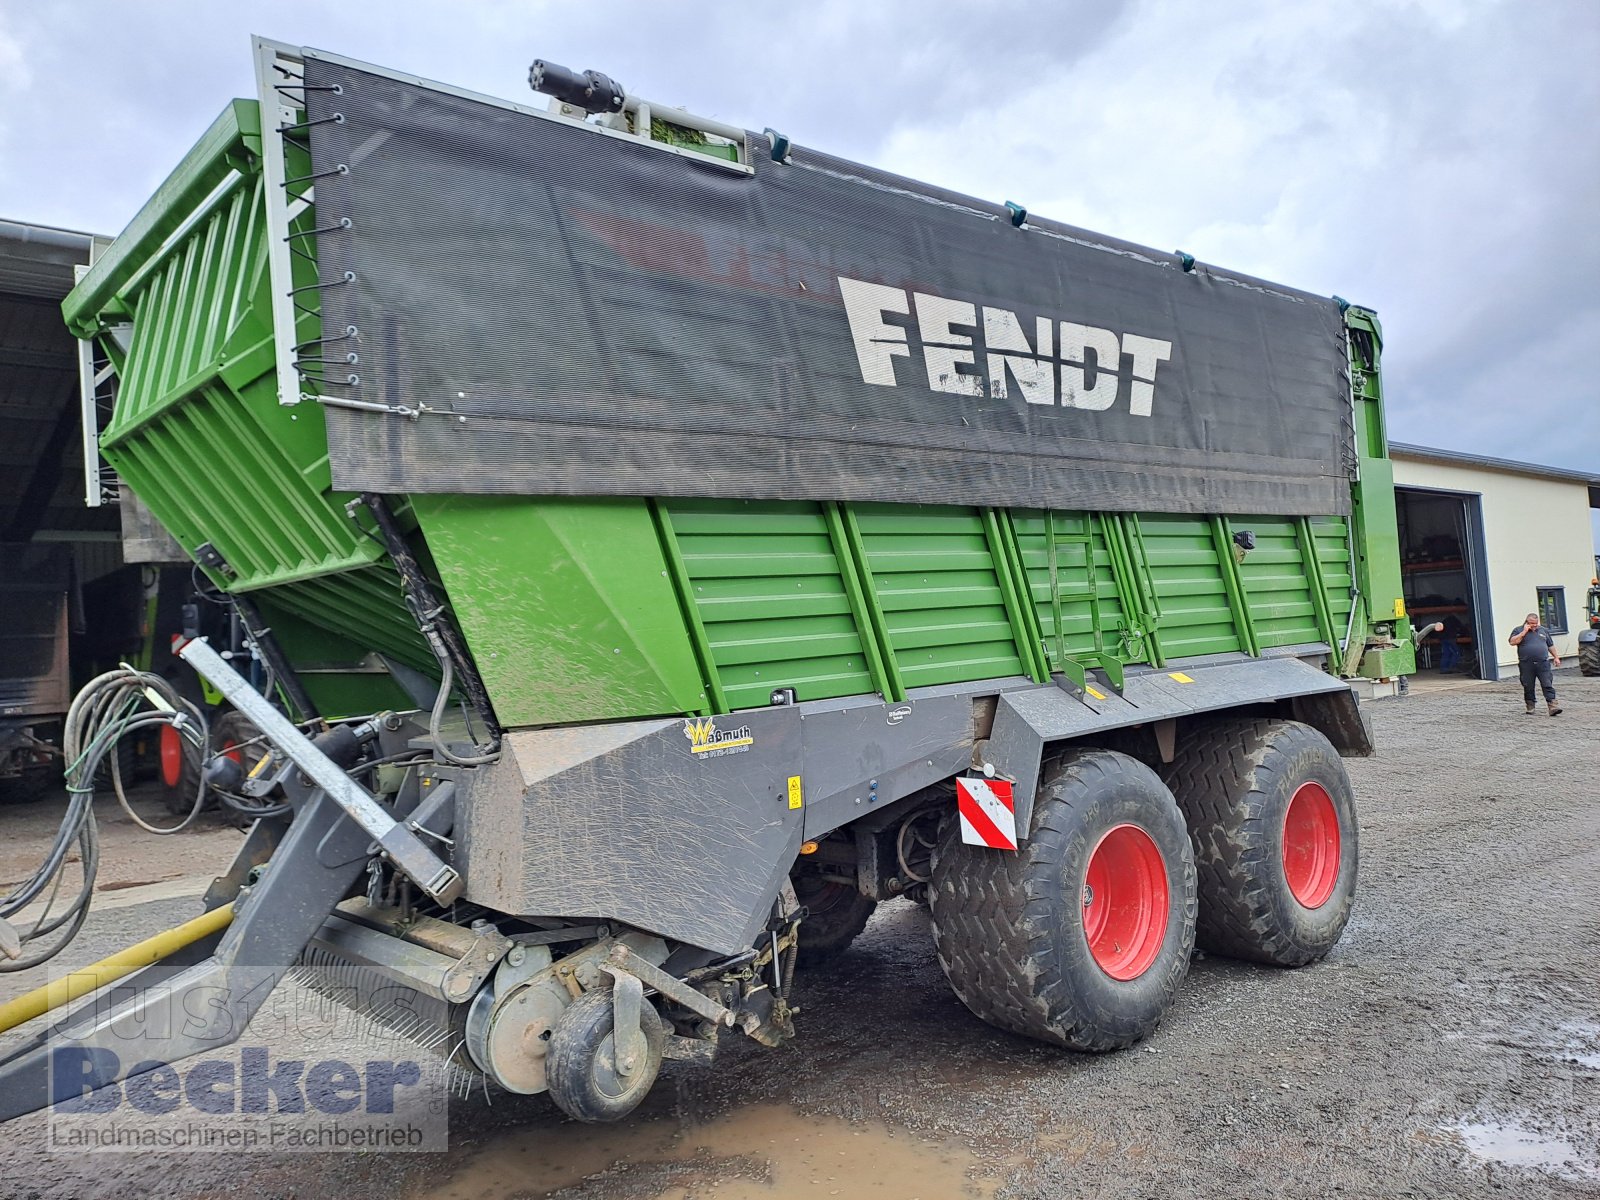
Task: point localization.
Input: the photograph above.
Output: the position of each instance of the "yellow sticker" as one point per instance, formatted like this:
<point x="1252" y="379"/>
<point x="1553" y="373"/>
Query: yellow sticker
<point x="1095" y="694"/>
<point x="796" y="799"/>
<point x="1180" y="677"/>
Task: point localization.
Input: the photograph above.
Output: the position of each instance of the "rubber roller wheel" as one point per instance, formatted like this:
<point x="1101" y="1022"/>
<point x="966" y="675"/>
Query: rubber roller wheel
<point x="582" y="1072"/>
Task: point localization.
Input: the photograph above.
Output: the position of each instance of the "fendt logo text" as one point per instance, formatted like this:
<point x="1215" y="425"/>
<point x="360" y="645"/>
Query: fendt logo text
<point x="1077" y="366"/>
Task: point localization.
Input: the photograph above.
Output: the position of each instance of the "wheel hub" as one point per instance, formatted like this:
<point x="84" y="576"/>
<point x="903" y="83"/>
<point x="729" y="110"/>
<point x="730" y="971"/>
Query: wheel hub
<point x="1311" y="845"/>
<point x="170" y="747"/>
<point x="1125" y="902"/>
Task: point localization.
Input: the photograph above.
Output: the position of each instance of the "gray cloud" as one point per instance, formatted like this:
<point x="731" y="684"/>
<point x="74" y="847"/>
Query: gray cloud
<point x="1437" y="161"/>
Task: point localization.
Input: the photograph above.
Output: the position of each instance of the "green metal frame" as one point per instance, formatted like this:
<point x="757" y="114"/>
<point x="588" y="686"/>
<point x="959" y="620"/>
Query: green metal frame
<point x="1381" y="617"/>
<point x="649" y="607"/>
<point x="1222" y="539"/>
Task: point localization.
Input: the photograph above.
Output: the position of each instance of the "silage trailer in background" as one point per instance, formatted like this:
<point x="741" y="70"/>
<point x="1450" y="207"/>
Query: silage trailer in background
<point x="682" y="540"/>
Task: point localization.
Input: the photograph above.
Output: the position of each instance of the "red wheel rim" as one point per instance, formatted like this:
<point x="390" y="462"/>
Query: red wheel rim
<point x="1125" y="903"/>
<point x="1311" y="845"/>
<point x="171" y="751"/>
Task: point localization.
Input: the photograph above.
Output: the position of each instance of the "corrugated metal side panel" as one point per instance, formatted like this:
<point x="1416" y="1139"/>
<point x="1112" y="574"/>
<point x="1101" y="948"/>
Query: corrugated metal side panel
<point x="189" y="305"/>
<point x="213" y="474"/>
<point x="1195" y="618"/>
<point x="198" y="434"/>
<point x="1276" y="585"/>
<point x="767" y="586"/>
<point x="1072" y="576"/>
<point x="935" y="580"/>
<point x="364" y="606"/>
<point x="197" y="430"/>
<point x="1332" y="538"/>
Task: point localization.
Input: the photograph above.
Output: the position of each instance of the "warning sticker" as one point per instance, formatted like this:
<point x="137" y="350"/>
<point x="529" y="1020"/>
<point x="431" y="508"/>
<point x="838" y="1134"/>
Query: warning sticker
<point x="988" y="817"/>
<point x="796" y="797"/>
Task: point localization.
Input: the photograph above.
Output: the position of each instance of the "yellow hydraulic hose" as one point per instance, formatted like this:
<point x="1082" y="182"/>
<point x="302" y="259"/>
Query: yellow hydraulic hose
<point x="124" y="962"/>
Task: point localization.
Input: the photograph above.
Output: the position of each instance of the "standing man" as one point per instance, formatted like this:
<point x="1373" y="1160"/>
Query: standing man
<point x="1536" y="650"/>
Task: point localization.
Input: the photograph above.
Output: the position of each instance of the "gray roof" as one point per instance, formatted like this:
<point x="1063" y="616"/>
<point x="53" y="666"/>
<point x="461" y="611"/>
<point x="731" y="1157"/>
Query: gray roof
<point x="37" y="260"/>
<point x="1456" y="458"/>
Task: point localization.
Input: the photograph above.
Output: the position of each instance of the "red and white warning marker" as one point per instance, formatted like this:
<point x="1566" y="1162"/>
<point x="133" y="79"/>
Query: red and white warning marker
<point x="988" y="817"/>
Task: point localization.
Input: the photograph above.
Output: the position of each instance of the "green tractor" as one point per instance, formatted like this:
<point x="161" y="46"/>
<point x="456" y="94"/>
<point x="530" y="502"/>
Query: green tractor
<point x="1589" y="635"/>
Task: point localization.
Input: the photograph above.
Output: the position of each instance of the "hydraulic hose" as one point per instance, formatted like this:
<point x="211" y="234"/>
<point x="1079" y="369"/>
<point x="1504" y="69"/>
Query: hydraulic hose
<point x="436" y="720"/>
<point x="109" y="708"/>
<point x="124" y="962"/>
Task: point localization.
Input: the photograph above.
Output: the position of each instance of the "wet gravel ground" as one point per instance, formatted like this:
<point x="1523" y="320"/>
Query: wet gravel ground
<point x="1450" y="1046"/>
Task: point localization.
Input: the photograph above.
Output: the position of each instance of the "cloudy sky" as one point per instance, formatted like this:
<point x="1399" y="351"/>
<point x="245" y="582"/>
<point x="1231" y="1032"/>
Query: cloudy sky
<point x="1437" y="160"/>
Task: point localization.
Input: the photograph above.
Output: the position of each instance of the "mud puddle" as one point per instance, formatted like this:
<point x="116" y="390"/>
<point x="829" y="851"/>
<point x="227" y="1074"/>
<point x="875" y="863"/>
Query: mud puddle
<point x="1514" y="1145"/>
<point x="761" y="1152"/>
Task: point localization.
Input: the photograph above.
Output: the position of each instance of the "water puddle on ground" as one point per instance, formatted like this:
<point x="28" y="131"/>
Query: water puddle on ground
<point x="1517" y="1146"/>
<point x="1580" y="1043"/>
<point x="762" y="1152"/>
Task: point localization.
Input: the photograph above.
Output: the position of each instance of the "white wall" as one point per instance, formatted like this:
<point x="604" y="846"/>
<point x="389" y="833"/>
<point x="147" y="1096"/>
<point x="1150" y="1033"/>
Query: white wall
<point x="1536" y="533"/>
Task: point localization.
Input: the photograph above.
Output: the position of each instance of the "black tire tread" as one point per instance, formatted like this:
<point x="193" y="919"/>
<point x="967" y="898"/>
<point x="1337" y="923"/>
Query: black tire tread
<point x="578" y="1033"/>
<point x="827" y="934"/>
<point x="1589" y="658"/>
<point x="993" y="918"/>
<point x="1221" y="775"/>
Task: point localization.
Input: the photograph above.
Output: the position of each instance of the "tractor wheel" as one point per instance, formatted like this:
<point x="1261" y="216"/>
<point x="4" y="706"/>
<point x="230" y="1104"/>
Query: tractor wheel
<point x="581" y="1067"/>
<point x="235" y="736"/>
<point x="835" y="914"/>
<point x="1082" y="935"/>
<point x="177" y="770"/>
<point x="1589" y="658"/>
<point x="1273" y="821"/>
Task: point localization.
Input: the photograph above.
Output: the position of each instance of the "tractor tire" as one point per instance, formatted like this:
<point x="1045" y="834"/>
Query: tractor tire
<point x="581" y="1064"/>
<point x="835" y="914"/>
<point x="1082" y="935"/>
<point x="235" y="736"/>
<point x="177" y="771"/>
<point x="1589" y="658"/>
<point x="1273" y="821"/>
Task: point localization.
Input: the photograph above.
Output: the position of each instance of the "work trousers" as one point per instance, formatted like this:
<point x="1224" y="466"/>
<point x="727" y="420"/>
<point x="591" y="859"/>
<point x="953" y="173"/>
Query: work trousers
<point x="1537" y="670"/>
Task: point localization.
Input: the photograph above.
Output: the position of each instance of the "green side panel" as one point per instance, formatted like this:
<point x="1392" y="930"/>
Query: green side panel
<point x="233" y="142"/>
<point x="1378" y="540"/>
<point x="765" y="580"/>
<point x="199" y="435"/>
<point x="1374" y="529"/>
<point x="363" y="607"/>
<point x="1073" y="582"/>
<point x="1276" y="585"/>
<point x="1189" y="587"/>
<point x="568" y="606"/>
<point x="339" y="684"/>
<point x="935" y="579"/>
<point x="198" y="431"/>
<point x="1332" y="536"/>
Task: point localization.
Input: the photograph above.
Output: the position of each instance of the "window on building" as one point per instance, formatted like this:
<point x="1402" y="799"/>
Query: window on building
<point x="1553" y="608"/>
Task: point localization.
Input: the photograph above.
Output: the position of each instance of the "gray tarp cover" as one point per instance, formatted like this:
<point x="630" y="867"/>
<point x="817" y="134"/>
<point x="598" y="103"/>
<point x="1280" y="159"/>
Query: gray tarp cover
<point x="614" y="319"/>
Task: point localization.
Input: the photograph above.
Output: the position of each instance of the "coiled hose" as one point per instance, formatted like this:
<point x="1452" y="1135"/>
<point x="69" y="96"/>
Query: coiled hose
<point x="109" y="708"/>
